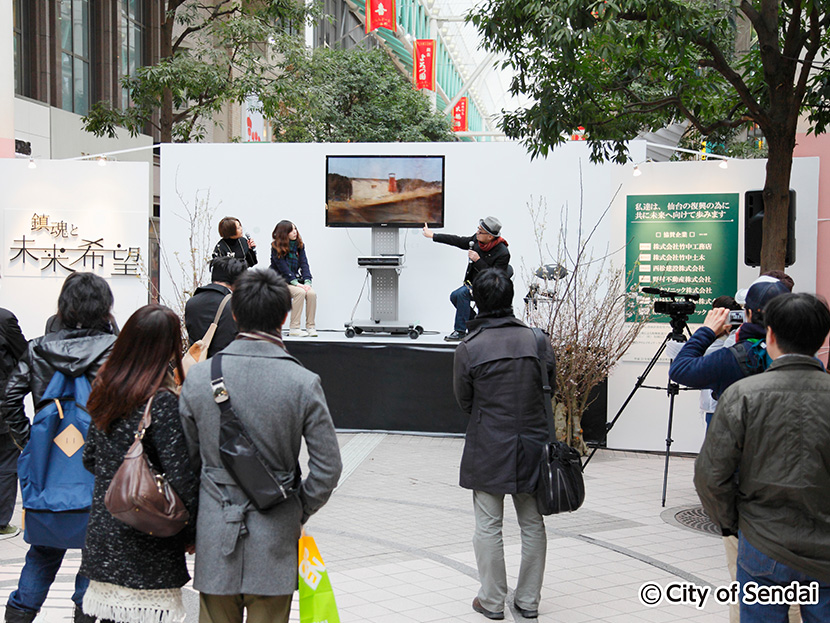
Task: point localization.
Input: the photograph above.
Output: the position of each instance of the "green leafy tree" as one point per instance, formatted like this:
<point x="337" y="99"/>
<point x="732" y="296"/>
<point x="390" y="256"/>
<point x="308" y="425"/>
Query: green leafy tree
<point x="622" y="67"/>
<point x="212" y="52"/>
<point x="352" y="95"/>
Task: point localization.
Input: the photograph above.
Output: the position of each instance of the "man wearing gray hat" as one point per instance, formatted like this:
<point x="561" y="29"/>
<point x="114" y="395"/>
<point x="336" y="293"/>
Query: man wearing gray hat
<point x="485" y="249"/>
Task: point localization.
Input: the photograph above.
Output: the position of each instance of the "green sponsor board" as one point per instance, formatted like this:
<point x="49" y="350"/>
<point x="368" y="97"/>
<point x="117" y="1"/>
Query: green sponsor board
<point x="682" y="243"/>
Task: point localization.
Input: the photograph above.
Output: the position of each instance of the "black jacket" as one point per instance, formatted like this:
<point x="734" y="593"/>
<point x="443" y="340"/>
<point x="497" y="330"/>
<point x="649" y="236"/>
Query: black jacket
<point x="12" y="347"/>
<point x="200" y="311"/>
<point x="235" y="247"/>
<point x="114" y="552"/>
<point x="497" y="257"/>
<point x="498" y="383"/>
<point x="71" y="351"/>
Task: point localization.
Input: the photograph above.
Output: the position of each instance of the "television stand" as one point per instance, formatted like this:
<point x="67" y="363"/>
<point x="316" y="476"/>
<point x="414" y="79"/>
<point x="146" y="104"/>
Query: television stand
<point x="384" y="267"/>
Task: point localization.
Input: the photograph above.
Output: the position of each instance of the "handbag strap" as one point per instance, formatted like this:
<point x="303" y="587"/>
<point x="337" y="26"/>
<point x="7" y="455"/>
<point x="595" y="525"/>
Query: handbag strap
<point x="207" y="338"/>
<point x="146" y="419"/>
<point x="541" y="341"/>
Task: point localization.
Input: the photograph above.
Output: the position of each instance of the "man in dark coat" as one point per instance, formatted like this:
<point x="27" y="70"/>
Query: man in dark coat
<point x="12" y="347"/>
<point x="485" y="249"/>
<point x="201" y="309"/>
<point x="497" y="378"/>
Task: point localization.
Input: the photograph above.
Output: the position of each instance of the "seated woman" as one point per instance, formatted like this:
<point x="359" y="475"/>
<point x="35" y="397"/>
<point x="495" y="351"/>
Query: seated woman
<point x="234" y="243"/>
<point x="136" y="577"/>
<point x="288" y="258"/>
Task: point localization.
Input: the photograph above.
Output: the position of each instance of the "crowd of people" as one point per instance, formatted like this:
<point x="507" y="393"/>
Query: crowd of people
<point x="762" y="473"/>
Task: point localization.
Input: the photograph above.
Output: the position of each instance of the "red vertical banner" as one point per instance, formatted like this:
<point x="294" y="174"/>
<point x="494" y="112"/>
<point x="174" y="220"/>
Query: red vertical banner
<point x="459" y="116"/>
<point x="380" y="14"/>
<point x="423" y="64"/>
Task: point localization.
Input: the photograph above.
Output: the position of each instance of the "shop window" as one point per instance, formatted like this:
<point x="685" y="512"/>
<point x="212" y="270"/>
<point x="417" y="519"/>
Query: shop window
<point x="19" y="53"/>
<point x="133" y="40"/>
<point x="75" y="28"/>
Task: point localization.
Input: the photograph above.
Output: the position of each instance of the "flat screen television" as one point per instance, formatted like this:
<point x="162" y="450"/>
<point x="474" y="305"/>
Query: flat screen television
<point x="384" y="191"/>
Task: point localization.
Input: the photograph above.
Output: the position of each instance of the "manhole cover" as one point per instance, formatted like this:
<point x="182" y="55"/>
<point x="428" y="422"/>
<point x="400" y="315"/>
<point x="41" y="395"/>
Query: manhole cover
<point x="697" y="519"/>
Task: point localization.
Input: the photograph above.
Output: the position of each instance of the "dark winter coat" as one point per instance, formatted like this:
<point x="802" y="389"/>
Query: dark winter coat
<point x="12" y="347"/>
<point x="115" y="552"/>
<point x="200" y="311"/>
<point x="498" y="383"/>
<point x="497" y="257"/>
<point x="71" y="351"/>
<point x="235" y="247"/>
<point x="300" y="273"/>
<point x="774" y="428"/>
<point x="715" y="371"/>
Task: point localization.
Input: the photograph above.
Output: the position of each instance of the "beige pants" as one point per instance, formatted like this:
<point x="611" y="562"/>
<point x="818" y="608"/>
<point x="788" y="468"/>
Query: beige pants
<point x="229" y="608"/>
<point x="299" y="296"/>
<point x="730" y="544"/>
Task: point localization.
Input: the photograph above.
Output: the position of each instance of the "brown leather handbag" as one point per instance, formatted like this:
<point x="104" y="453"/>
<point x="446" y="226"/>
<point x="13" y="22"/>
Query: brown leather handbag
<point x="140" y="496"/>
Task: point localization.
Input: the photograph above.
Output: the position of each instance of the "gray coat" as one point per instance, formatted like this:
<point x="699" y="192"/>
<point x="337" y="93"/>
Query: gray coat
<point x="238" y="549"/>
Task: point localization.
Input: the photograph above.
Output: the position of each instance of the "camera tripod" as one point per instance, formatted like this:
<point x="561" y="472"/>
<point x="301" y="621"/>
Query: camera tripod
<point x="679" y="329"/>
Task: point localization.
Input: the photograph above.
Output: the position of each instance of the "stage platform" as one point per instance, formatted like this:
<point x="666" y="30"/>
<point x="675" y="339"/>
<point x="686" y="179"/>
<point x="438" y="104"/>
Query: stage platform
<point x="394" y="383"/>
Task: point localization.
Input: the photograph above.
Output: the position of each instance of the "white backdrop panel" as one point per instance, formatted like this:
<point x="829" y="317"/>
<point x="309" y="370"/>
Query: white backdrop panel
<point x="107" y="206"/>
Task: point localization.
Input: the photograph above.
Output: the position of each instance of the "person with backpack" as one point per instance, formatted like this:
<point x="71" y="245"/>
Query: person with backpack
<point x="57" y="369"/>
<point x="137" y="577"/>
<point x="718" y="370"/>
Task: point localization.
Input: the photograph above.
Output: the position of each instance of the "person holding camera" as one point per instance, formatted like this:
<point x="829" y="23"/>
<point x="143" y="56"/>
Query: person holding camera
<point x="718" y="370"/>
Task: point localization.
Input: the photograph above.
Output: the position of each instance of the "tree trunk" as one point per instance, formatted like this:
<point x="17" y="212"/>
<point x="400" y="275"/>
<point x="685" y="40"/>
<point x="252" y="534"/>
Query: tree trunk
<point x="776" y="201"/>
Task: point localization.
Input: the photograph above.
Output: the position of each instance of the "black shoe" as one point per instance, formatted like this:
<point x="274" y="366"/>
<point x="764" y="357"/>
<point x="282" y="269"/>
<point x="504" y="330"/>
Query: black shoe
<point x="81" y="617"/>
<point x="455" y="336"/>
<point x="526" y="614"/>
<point x="18" y="615"/>
<point x="495" y="616"/>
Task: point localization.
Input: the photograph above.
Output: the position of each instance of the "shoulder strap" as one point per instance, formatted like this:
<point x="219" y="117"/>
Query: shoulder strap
<point x="741" y="353"/>
<point x="208" y="337"/>
<point x="541" y="338"/>
<point x="146" y="419"/>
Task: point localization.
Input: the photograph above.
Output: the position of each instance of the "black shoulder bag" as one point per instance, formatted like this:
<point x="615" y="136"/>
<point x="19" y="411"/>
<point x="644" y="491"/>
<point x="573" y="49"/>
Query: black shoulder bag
<point x="240" y="456"/>
<point x="561" y="487"/>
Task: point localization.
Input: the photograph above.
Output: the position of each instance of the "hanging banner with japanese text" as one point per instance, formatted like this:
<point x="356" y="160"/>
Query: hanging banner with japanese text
<point x="423" y="64"/>
<point x="459" y="116"/>
<point x="682" y="243"/>
<point x="380" y="14"/>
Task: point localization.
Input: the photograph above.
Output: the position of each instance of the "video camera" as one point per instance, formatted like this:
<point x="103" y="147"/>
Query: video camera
<point x="679" y="311"/>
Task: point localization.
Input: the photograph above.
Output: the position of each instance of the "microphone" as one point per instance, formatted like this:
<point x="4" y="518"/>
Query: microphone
<point x="471" y="248"/>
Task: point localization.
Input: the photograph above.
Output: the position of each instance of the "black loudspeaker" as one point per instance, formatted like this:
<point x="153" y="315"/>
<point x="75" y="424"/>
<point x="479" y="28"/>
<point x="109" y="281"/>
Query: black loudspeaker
<point x="754" y="228"/>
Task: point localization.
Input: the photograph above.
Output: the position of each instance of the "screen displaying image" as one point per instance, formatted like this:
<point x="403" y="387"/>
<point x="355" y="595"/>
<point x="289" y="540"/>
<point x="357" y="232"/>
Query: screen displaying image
<point x="377" y="191"/>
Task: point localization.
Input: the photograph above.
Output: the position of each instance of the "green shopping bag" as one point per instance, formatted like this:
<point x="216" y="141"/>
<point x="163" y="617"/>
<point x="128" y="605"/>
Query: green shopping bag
<point x="317" y="603"/>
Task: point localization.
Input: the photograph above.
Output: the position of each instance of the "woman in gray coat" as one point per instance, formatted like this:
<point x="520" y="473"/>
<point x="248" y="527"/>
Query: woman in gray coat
<point x="247" y="559"/>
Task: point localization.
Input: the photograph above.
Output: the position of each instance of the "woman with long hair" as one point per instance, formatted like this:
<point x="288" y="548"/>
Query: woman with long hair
<point x="288" y="258"/>
<point x="135" y="577"/>
<point x="76" y="349"/>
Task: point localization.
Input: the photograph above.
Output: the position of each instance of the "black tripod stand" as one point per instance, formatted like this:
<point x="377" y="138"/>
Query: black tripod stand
<point x="679" y="326"/>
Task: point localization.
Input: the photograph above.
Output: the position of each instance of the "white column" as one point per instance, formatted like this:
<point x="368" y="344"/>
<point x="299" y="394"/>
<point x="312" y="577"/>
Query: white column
<point x="6" y="79"/>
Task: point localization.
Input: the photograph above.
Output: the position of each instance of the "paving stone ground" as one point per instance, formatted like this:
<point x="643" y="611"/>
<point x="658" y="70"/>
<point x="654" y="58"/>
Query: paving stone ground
<point x="396" y="538"/>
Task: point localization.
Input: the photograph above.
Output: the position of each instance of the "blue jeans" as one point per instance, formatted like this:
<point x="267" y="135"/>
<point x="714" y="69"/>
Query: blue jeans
<point x="462" y="299"/>
<point x="39" y="571"/>
<point x="755" y="566"/>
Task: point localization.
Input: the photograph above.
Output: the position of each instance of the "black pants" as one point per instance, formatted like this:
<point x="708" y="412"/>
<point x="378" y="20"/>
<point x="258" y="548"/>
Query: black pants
<point x="8" y="477"/>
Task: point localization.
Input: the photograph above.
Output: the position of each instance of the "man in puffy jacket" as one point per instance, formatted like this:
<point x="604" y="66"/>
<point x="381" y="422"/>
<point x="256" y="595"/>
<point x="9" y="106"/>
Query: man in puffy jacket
<point x="84" y="304"/>
<point x="498" y="384"/>
<point x="12" y="347"/>
<point x="774" y="428"/>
